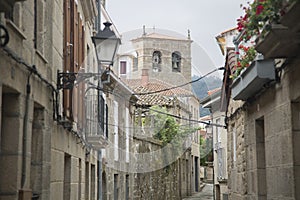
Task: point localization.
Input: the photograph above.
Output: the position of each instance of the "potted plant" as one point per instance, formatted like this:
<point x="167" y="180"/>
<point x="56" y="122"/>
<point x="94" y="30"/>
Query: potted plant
<point x="259" y="15"/>
<point x="251" y="73"/>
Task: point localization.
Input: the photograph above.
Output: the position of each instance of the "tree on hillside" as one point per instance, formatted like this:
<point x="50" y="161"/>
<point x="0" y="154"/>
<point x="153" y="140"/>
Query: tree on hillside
<point x="202" y="86"/>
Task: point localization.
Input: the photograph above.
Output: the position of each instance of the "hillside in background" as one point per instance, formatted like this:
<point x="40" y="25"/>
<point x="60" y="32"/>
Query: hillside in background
<point x="202" y="86"/>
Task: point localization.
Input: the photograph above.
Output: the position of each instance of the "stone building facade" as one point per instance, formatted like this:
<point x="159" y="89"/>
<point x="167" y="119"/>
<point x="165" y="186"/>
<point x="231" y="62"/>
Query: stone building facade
<point x="44" y="151"/>
<point x="263" y="127"/>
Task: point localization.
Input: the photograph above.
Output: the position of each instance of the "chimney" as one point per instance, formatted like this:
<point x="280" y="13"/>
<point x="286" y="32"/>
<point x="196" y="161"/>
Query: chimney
<point x="145" y="77"/>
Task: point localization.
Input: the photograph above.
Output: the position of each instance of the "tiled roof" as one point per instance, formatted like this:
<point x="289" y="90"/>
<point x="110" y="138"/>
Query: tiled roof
<point x="210" y="92"/>
<point x="156" y="85"/>
<point x="152" y="99"/>
<point x="161" y="98"/>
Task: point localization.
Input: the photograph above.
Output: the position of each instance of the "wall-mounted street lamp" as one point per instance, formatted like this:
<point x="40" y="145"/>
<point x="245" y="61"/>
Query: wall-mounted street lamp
<point x="107" y="44"/>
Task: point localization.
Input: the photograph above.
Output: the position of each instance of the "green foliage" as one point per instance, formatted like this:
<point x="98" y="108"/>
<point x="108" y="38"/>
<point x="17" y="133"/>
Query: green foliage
<point x="167" y="130"/>
<point x="206" y="150"/>
<point x="248" y="54"/>
<point x="259" y="14"/>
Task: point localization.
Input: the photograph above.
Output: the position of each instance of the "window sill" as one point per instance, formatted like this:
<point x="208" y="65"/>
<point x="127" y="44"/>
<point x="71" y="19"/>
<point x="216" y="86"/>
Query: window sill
<point x="16" y="29"/>
<point x="40" y="54"/>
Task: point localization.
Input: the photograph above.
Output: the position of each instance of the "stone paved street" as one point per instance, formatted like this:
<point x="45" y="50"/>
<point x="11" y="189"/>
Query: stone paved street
<point x="205" y="194"/>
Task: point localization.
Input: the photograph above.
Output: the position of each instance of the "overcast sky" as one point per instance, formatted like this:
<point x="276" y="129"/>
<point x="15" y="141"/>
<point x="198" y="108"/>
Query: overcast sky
<point x="204" y="18"/>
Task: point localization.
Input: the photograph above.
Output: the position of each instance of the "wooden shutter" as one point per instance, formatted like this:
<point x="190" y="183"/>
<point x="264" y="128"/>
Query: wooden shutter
<point x="81" y="87"/>
<point x="75" y="90"/>
<point x="67" y="53"/>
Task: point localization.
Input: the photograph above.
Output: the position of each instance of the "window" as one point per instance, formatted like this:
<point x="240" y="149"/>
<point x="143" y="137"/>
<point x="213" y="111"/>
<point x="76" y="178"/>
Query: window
<point x="176" y="61"/>
<point x="135" y="62"/>
<point x="106" y="122"/>
<point x="116" y="187"/>
<point x="87" y="180"/>
<point x="15" y="15"/>
<point x="156" y="61"/>
<point x="67" y="177"/>
<point x="260" y="156"/>
<point x="10" y="14"/>
<point x="39" y="12"/>
<point x="101" y="113"/>
<point x="93" y="182"/>
<point x="123" y="67"/>
<point x="127" y="187"/>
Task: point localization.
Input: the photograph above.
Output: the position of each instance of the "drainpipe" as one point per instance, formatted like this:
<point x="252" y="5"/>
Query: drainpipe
<point x="99" y="175"/>
<point x="25" y="133"/>
<point x="98" y="29"/>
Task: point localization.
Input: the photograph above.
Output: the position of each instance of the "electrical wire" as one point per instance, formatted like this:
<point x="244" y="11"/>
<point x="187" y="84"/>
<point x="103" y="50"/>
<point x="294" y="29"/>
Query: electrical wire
<point x="146" y="127"/>
<point x="178" y="86"/>
<point x="144" y="105"/>
<point x="190" y="120"/>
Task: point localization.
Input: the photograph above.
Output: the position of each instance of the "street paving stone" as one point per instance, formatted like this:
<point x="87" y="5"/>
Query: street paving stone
<point x="205" y="194"/>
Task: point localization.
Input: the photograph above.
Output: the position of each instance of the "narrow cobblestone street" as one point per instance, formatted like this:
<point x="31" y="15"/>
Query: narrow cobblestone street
<point x="205" y="194"/>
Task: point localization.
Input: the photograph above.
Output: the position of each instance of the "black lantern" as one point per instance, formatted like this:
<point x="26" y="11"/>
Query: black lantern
<point x="107" y="44"/>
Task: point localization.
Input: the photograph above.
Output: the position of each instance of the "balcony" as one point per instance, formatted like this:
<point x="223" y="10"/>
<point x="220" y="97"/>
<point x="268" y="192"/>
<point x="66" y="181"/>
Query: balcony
<point x="97" y="141"/>
<point x="253" y="79"/>
<point x="7" y="5"/>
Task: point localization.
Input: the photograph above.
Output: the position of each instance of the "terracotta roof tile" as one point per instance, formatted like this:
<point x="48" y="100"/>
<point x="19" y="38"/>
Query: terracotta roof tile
<point x="156" y="85"/>
<point x="210" y="92"/>
<point x="161" y="98"/>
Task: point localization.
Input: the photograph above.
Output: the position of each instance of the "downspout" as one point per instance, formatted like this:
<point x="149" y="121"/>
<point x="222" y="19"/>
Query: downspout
<point x="98" y="28"/>
<point x="25" y="127"/>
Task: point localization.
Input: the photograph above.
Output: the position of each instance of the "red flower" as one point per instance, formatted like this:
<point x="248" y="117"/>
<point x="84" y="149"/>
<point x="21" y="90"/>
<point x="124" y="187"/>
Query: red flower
<point x="259" y="9"/>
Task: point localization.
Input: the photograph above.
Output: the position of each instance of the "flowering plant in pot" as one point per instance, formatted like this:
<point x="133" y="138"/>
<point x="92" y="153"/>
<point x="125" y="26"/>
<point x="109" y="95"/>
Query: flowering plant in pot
<point x="255" y="23"/>
<point x="258" y="16"/>
<point x="247" y="55"/>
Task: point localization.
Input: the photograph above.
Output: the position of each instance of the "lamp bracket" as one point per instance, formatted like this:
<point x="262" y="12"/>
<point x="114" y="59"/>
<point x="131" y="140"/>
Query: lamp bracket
<point x="67" y="80"/>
